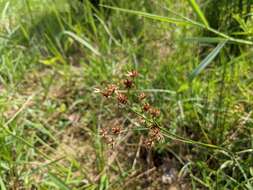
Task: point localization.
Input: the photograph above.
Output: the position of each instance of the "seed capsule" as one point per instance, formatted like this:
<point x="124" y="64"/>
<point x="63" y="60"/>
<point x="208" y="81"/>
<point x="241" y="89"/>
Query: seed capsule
<point x="154" y="112"/>
<point x="122" y="98"/>
<point x="148" y="142"/>
<point x="128" y="83"/>
<point x="109" y="91"/>
<point x="133" y="73"/>
<point x="116" y="130"/>
<point x="146" y="107"/>
<point x="142" y="96"/>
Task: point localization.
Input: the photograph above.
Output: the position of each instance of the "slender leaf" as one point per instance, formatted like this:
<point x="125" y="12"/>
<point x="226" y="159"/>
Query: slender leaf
<point x="183" y="21"/>
<point x="207" y="60"/>
<point x="4" y="12"/>
<point x="218" y="33"/>
<point x="198" y="11"/>
<point x="152" y="16"/>
<point x="82" y="41"/>
<point x="104" y="183"/>
<point x="208" y="40"/>
<point x="3" y="187"/>
<point x="58" y="182"/>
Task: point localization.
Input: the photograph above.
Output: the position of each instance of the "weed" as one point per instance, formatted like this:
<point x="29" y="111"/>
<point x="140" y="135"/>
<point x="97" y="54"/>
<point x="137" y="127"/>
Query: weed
<point x="125" y="95"/>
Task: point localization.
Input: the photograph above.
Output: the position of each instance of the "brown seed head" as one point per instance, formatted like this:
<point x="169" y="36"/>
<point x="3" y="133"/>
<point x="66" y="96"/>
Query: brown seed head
<point x="128" y="83"/>
<point x="111" y="88"/>
<point x="154" y="112"/>
<point x="116" y="130"/>
<point x="148" y="142"/>
<point x="141" y="120"/>
<point x="106" y="94"/>
<point x="104" y="132"/>
<point x="109" y="91"/>
<point x="146" y="107"/>
<point x="142" y="96"/>
<point x="122" y="98"/>
<point x="155" y="133"/>
<point x="133" y="73"/>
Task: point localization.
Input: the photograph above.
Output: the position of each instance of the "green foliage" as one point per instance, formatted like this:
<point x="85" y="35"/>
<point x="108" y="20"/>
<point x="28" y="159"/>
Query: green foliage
<point x="55" y="53"/>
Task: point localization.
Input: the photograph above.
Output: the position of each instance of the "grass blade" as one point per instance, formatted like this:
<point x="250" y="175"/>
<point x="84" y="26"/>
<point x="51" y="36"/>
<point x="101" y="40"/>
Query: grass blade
<point x="183" y="21"/>
<point x="104" y="183"/>
<point x="198" y="11"/>
<point x="82" y="41"/>
<point x="3" y="187"/>
<point x="207" y="60"/>
<point x="58" y="182"/>
<point x="208" y="40"/>
<point x="5" y="9"/>
<point x="151" y="16"/>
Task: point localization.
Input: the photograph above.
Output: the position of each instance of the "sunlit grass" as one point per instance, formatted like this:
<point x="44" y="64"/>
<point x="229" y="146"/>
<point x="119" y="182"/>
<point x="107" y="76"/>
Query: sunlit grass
<point x="53" y="59"/>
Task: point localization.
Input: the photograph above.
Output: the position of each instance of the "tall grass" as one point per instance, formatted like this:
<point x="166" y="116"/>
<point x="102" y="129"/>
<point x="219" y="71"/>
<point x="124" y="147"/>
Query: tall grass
<point x="53" y="55"/>
<point x="221" y="25"/>
<point x="231" y="17"/>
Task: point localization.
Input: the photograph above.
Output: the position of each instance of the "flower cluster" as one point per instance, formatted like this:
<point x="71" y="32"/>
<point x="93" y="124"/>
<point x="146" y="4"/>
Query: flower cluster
<point x="148" y="113"/>
<point x="108" y="134"/>
<point x="154" y="135"/>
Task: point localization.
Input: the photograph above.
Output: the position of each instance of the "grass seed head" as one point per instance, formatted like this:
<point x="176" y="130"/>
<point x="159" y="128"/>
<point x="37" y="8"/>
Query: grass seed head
<point x="104" y="132"/>
<point x="133" y="74"/>
<point x="155" y="133"/>
<point x="109" y="91"/>
<point x="148" y="142"/>
<point x="122" y="98"/>
<point x="154" y="112"/>
<point x="128" y="83"/>
<point x="146" y="107"/>
<point x="142" y="96"/>
<point x="116" y="130"/>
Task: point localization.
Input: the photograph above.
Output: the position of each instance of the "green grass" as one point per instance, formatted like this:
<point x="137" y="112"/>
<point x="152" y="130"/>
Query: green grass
<point x="53" y="56"/>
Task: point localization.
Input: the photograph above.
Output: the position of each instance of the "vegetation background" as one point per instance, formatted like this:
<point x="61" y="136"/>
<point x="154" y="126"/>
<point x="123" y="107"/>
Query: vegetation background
<point x="194" y="60"/>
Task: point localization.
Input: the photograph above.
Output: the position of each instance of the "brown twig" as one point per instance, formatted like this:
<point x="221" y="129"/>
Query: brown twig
<point x="137" y="155"/>
<point x="134" y="177"/>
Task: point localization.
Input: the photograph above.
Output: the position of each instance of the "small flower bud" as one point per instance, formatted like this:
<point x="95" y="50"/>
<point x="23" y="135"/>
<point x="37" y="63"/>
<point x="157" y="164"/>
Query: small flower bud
<point x="111" y="88"/>
<point x="109" y="91"/>
<point x="122" y="98"/>
<point x="148" y="142"/>
<point x="104" y="132"/>
<point x="116" y="130"/>
<point x="106" y="94"/>
<point x="142" y="96"/>
<point x="146" y="107"/>
<point x="132" y="73"/>
<point x="128" y="83"/>
<point x="154" y="112"/>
